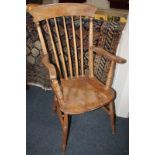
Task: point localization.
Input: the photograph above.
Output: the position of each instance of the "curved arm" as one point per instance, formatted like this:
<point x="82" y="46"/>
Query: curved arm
<point x="102" y="52"/>
<point x="50" y="67"/>
<point x="52" y="72"/>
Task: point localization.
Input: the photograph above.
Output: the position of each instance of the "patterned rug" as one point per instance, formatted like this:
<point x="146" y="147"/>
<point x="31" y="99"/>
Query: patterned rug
<point x="106" y="35"/>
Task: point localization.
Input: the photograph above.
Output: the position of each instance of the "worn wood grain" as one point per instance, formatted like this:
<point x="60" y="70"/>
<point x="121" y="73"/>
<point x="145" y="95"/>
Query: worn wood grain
<point x="62" y="9"/>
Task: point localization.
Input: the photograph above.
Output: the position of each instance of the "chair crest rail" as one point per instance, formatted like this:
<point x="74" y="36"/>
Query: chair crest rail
<point x="43" y="12"/>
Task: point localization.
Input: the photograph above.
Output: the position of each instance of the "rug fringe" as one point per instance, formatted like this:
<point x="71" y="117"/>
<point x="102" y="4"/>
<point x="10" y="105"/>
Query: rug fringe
<point x="39" y="85"/>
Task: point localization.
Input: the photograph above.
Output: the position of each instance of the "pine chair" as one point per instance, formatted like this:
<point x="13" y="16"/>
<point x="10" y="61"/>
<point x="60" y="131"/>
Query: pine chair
<point x="75" y="91"/>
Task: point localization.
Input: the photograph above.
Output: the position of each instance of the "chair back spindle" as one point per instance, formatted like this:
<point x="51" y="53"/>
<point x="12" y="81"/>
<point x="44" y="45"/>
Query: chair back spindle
<point x="75" y="47"/>
<point x="91" y="74"/>
<point x="110" y="75"/>
<point x="60" y="49"/>
<point x="68" y="47"/>
<point x="53" y="46"/>
<point x="41" y="38"/>
<point x="81" y="47"/>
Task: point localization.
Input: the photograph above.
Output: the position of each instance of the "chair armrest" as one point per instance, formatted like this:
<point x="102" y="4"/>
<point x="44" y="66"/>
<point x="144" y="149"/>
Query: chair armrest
<point x="102" y="52"/>
<point x="52" y="73"/>
<point x="51" y="69"/>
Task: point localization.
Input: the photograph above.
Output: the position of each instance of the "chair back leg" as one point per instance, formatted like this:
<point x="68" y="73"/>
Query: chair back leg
<point x="112" y="116"/>
<point x="64" y="132"/>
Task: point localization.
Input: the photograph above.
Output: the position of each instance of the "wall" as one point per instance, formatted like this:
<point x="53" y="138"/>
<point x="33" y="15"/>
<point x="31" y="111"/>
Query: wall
<point x="50" y="1"/>
<point x="121" y="79"/>
<point x="101" y="4"/>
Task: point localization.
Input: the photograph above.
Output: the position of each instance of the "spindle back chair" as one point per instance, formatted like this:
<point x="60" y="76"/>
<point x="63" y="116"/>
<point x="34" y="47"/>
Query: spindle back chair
<point x="75" y="92"/>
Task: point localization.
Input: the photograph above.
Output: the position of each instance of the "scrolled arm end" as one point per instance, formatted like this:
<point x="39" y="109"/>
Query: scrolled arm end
<point x="120" y="60"/>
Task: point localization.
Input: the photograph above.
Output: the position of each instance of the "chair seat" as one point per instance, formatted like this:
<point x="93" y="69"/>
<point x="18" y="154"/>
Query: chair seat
<point x="84" y="94"/>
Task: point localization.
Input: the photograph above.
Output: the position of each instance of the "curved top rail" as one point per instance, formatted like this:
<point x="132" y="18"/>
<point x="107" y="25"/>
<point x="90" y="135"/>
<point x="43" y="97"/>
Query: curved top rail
<point x="43" y="12"/>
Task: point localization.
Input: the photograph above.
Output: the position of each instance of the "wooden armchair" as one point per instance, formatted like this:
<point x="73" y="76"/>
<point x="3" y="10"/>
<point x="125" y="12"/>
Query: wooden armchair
<point x="75" y="91"/>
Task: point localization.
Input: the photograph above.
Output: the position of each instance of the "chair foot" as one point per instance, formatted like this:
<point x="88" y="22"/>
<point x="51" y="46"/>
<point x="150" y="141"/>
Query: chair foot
<point x="112" y="117"/>
<point x="55" y="104"/>
<point x="113" y="132"/>
<point x="113" y="129"/>
<point x="112" y="120"/>
<point x="64" y="132"/>
<point x="63" y="148"/>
